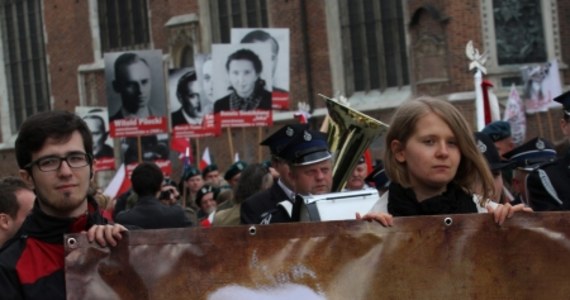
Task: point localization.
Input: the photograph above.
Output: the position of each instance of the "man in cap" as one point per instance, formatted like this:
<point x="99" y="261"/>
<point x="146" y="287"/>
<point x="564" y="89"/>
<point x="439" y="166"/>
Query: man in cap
<point x="310" y="170"/>
<point x="549" y="188"/>
<point x="206" y="200"/>
<point x="500" y="134"/>
<point x="379" y="179"/>
<point x="193" y="181"/>
<point x="496" y="164"/>
<point x="563" y="146"/>
<point x="234" y="172"/>
<point x="527" y="158"/>
<point x="356" y="181"/>
<point x="211" y="175"/>
<point x="258" y="206"/>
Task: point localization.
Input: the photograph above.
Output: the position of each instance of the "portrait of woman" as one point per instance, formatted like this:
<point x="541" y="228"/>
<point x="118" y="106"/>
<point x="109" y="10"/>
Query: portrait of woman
<point x="247" y="88"/>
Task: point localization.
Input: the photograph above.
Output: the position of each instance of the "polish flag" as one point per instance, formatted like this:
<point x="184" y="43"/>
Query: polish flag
<point x="206" y="159"/>
<point x="119" y="184"/>
<point x="302" y="116"/>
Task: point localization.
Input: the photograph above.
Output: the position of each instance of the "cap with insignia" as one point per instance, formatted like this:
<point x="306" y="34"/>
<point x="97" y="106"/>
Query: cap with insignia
<point x="235" y="169"/>
<point x="190" y="172"/>
<point x="532" y="153"/>
<point x="361" y="160"/>
<point x="498" y="130"/>
<point x="564" y="99"/>
<point x="489" y="150"/>
<point x="307" y="147"/>
<point x="204" y="190"/>
<point x="378" y="177"/>
<point x="208" y="169"/>
<point x="281" y="137"/>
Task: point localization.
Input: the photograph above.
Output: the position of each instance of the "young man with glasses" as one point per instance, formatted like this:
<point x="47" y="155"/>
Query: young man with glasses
<point x="54" y="152"/>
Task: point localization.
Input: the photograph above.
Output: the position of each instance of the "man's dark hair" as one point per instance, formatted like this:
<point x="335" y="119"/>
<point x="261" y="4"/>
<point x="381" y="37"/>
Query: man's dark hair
<point x="124" y="60"/>
<point x="8" y="200"/>
<point x="261" y="36"/>
<point x="250" y="182"/>
<point x="182" y="86"/>
<point x="147" y="179"/>
<point x="58" y="125"/>
<point x="246" y="54"/>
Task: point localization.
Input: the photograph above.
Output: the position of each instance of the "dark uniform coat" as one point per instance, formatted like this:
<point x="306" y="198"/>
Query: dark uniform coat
<point x="257" y="207"/>
<point x="559" y="175"/>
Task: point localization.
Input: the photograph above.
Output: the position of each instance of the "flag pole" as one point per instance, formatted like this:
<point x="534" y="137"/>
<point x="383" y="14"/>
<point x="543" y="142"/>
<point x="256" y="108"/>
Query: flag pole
<point x="230" y="141"/>
<point x="198" y="152"/>
<point x="477" y="62"/>
<point x="243" y="139"/>
<point x="259" y="150"/>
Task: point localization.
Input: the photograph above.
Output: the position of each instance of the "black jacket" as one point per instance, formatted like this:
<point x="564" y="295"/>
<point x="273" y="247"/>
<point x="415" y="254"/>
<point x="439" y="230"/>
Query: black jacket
<point x="149" y="213"/>
<point x="32" y="265"/>
<point x="255" y="208"/>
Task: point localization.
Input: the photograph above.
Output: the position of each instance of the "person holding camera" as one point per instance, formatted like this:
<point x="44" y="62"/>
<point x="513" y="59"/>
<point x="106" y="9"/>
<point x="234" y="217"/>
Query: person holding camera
<point x="149" y="212"/>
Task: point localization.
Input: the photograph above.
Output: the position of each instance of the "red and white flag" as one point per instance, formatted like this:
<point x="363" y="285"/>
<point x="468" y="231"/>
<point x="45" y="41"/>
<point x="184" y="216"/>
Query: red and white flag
<point x="119" y="184"/>
<point x="302" y="114"/>
<point x="206" y="159"/>
<point x="515" y="115"/>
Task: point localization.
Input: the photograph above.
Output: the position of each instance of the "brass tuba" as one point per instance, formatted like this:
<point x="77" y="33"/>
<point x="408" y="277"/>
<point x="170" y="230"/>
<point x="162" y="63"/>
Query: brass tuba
<point x="349" y="133"/>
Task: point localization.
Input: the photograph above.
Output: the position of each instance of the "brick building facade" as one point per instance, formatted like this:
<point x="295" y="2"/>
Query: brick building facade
<point x="435" y="34"/>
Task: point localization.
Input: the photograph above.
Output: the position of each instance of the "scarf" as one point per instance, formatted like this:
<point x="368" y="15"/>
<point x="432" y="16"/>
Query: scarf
<point x="247" y="103"/>
<point x="402" y="202"/>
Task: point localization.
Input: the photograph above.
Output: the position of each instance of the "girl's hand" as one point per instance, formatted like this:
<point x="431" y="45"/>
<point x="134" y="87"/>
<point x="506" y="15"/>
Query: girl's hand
<point x="506" y="211"/>
<point x="385" y="219"/>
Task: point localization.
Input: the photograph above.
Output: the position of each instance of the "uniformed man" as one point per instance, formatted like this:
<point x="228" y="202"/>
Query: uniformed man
<point x="527" y="158"/>
<point x="310" y="171"/>
<point x="496" y="164"/>
<point x="563" y="146"/>
<point x="379" y="179"/>
<point x="211" y="175"/>
<point x="233" y="174"/>
<point x="500" y="134"/>
<point x="550" y="189"/>
<point x="356" y="181"/>
<point x="255" y="208"/>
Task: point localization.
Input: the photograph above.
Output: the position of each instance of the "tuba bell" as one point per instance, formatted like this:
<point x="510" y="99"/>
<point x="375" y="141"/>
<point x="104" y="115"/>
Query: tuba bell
<point x="349" y="133"/>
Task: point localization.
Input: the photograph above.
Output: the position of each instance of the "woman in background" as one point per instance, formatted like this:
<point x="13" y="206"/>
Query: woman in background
<point x="247" y="88"/>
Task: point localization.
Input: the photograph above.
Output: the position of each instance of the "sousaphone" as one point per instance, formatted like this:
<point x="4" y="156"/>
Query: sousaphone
<point x="349" y="134"/>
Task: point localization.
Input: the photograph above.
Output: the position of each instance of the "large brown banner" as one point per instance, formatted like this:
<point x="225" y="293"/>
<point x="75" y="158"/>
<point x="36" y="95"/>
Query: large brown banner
<point x="454" y="257"/>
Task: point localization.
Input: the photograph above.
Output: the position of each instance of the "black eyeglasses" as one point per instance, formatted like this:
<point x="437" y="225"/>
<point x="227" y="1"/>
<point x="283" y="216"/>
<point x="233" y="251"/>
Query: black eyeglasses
<point x="51" y="163"/>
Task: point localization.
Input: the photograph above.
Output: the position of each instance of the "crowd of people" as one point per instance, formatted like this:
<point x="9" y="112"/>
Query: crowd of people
<point x="433" y="164"/>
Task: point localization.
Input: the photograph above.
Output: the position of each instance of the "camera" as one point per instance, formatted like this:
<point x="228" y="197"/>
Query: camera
<point x="165" y="195"/>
